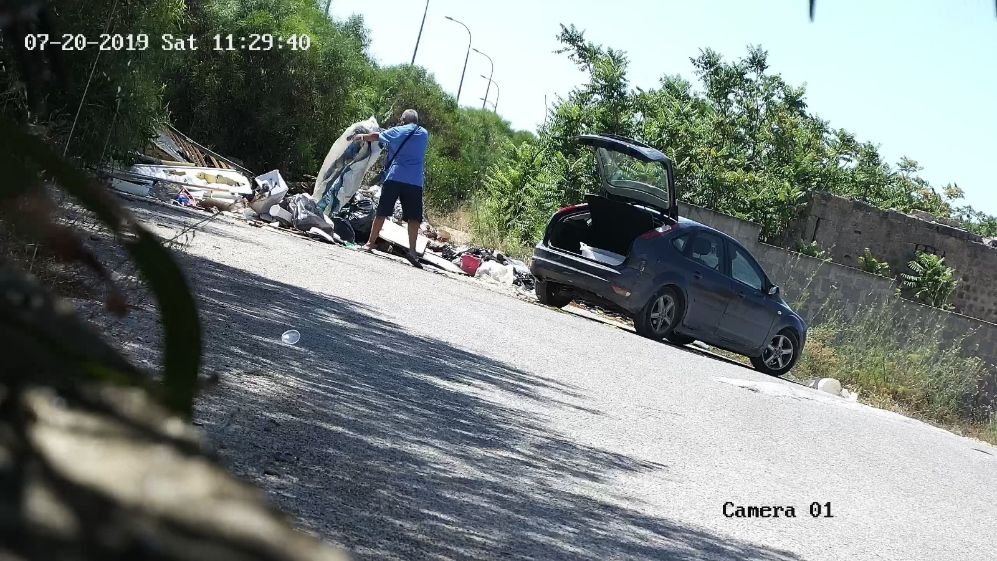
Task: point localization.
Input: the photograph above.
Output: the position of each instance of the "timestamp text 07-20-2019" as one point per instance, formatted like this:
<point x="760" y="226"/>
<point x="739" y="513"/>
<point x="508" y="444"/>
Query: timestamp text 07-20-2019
<point x="167" y="42"/>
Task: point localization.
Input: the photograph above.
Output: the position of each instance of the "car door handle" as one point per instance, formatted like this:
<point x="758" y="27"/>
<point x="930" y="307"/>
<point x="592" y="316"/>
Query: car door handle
<point x="697" y="275"/>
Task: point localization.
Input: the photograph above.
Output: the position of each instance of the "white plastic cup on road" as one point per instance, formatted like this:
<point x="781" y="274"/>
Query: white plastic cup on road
<point x="291" y="337"/>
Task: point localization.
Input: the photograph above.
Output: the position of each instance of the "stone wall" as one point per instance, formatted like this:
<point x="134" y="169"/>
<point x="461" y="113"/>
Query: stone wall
<point x="844" y="228"/>
<point x="819" y="290"/>
<point x="741" y="230"/>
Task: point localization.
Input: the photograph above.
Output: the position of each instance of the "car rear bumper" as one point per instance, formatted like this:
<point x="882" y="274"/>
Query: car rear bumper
<point x="583" y="276"/>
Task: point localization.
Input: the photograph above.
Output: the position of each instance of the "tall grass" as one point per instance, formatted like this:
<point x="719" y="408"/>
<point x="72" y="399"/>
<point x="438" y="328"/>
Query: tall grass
<point x="900" y="358"/>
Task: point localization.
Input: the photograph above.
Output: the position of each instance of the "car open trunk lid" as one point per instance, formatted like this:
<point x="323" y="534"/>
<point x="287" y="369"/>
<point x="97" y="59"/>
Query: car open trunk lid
<point x="631" y="170"/>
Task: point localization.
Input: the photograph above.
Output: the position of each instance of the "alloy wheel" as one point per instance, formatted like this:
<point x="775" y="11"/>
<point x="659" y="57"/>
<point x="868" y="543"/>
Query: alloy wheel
<point x="662" y="312"/>
<point x="778" y="353"/>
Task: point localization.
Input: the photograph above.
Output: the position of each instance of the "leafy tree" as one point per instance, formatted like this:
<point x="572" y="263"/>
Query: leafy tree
<point x="118" y="93"/>
<point x="277" y="108"/>
<point x="743" y="142"/>
<point x="930" y="281"/>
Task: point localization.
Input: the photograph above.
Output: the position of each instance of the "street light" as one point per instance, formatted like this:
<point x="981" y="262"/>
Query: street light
<point x="492" y="73"/>
<point x="419" y="38"/>
<point x="461" y="86"/>
<point x="498" y="92"/>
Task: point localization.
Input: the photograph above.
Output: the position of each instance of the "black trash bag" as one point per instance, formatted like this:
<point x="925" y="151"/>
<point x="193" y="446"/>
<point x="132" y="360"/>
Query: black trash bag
<point x="305" y="214"/>
<point x="359" y="213"/>
<point x="344" y="230"/>
<point x="524" y="279"/>
<point x="450" y="253"/>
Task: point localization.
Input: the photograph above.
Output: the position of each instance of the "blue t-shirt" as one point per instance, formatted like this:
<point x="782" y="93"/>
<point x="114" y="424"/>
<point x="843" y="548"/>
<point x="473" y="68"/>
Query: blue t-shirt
<point x="409" y="166"/>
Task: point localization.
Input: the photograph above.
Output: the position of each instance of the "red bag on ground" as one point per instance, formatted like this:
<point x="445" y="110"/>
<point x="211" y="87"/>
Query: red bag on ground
<point x="469" y="264"/>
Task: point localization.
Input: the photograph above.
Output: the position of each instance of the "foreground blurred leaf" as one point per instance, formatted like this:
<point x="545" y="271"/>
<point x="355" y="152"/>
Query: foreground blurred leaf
<point x="26" y="159"/>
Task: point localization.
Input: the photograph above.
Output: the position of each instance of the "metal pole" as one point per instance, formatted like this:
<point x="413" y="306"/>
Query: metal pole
<point x="419" y="38"/>
<point x="498" y="92"/>
<point x="467" y="56"/>
<point x="489" y="88"/>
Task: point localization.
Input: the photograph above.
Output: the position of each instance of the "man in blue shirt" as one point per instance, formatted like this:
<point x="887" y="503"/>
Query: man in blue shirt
<point x="406" y="146"/>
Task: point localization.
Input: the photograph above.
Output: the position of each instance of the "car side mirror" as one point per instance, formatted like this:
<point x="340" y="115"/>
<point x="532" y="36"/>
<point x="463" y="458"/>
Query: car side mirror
<point x="773" y="290"/>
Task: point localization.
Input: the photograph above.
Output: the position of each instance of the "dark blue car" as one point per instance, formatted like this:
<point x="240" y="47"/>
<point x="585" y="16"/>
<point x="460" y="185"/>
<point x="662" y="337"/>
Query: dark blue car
<point x="626" y="248"/>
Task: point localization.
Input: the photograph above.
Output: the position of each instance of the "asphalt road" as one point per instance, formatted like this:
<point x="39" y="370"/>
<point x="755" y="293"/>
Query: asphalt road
<point x="423" y="417"/>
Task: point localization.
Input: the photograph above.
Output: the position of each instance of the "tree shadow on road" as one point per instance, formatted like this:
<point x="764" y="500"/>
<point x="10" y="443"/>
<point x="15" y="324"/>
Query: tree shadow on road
<point x="401" y="446"/>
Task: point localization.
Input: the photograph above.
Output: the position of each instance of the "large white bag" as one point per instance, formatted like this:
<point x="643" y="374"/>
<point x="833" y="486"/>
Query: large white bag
<point x="344" y="167"/>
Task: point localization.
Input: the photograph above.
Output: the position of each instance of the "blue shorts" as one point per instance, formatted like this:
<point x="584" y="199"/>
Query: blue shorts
<point x="410" y="195"/>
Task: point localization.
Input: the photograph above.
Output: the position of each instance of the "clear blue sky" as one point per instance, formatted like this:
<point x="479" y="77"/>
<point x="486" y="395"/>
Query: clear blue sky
<point x="919" y="78"/>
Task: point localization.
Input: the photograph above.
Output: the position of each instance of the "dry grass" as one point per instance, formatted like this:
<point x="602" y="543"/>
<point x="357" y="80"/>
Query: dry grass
<point x="913" y="373"/>
<point x="468" y="229"/>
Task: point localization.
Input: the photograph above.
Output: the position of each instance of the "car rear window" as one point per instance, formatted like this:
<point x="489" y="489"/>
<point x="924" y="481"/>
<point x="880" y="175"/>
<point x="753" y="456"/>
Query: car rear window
<point x="680" y="242"/>
<point x="707" y="249"/>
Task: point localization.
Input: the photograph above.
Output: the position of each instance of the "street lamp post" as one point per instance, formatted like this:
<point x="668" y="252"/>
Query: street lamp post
<point x="468" y="55"/>
<point x="498" y="92"/>
<point x="419" y="38"/>
<point x="487" y="89"/>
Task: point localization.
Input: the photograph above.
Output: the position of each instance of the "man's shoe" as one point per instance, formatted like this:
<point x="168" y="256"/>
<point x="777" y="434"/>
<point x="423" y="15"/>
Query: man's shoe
<point x="413" y="259"/>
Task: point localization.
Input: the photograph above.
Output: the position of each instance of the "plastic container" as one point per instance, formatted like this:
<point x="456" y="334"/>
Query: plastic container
<point x="290" y="337"/>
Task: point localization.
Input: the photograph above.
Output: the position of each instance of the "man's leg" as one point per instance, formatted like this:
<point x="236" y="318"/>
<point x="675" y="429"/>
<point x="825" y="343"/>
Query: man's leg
<point x="385" y="207"/>
<point x="411" y="197"/>
<point x="413" y="233"/>
<point x="375" y="231"/>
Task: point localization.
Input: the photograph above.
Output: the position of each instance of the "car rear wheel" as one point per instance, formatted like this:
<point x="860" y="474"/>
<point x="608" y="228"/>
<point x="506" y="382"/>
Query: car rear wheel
<point x="779" y="355"/>
<point x="660" y="315"/>
<point x="679" y="339"/>
<point x="550" y="294"/>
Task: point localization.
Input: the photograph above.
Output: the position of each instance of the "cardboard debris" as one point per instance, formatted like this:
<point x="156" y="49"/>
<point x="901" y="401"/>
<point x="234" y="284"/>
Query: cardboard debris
<point x="398" y="235"/>
<point x="439" y="262"/>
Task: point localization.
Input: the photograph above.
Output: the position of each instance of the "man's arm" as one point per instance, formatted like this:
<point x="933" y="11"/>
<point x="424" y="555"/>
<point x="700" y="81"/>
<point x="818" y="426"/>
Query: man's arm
<point x="372" y="137"/>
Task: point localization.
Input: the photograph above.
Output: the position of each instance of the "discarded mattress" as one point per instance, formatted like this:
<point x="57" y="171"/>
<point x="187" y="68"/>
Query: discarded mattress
<point x="344" y="168"/>
<point x="602" y="255"/>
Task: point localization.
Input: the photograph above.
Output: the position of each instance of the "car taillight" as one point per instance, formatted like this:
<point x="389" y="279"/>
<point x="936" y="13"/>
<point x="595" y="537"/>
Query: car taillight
<point x="657" y="232"/>
<point x="569" y="208"/>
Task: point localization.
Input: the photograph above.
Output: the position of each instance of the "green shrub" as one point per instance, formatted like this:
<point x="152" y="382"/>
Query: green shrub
<point x="812" y="249"/>
<point x="930" y="281"/>
<point x="870" y="264"/>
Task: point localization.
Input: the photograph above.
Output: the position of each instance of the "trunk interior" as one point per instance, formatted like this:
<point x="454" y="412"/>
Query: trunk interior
<point x="605" y="232"/>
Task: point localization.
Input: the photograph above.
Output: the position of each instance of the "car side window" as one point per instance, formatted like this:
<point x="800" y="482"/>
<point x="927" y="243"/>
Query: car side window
<point x="744" y="269"/>
<point x="680" y="242"/>
<point x="707" y="249"/>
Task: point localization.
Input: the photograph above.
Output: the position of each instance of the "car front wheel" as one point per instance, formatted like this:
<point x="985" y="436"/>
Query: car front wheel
<point x="779" y="355"/>
<point x="660" y="315"/>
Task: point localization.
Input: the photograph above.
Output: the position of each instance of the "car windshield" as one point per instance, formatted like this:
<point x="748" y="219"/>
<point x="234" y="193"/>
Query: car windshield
<point x="626" y="171"/>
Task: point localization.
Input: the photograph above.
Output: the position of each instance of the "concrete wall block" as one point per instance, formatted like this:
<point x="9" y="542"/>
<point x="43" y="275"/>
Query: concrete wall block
<point x="847" y="227"/>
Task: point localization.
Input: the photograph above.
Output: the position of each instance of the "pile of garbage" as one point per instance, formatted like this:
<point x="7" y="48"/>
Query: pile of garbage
<point x="487" y="264"/>
<point x="179" y="171"/>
